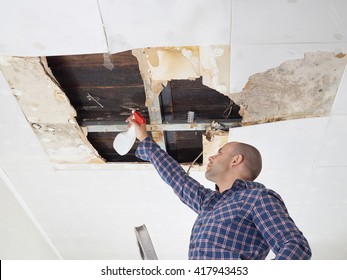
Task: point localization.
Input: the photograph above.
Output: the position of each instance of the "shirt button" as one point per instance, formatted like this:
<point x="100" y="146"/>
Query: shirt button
<point x="192" y="246"/>
<point x="200" y="224"/>
<point x="211" y="207"/>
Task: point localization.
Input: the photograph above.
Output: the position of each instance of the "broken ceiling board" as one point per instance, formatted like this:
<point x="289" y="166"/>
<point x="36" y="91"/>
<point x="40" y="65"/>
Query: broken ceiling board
<point x="215" y="67"/>
<point x="296" y="89"/>
<point x="294" y="21"/>
<point x="48" y="110"/>
<point x="36" y="92"/>
<point x="247" y="60"/>
<point x="162" y="64"/>
<point x="40" y="28"/>
<point x="173" y="63"/>
<point x="136" y="24"/>
<point x="66" y="143"/>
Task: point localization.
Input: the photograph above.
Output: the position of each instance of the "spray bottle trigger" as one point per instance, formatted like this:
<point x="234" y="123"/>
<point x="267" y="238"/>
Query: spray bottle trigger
<point x="139" y="118"/>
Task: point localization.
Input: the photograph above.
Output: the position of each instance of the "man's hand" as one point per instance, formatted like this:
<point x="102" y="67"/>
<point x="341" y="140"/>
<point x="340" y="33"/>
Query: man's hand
<point x="141" y="132"/>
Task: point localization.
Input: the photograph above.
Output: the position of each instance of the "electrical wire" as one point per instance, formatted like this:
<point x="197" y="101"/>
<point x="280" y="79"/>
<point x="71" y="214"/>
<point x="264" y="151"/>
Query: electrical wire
<point x="194" y="162"/>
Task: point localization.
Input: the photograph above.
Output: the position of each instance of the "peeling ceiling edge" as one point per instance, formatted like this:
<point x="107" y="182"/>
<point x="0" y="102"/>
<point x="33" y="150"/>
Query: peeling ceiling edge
<point x="297" y="88"/>
<point x="48" y="110"/>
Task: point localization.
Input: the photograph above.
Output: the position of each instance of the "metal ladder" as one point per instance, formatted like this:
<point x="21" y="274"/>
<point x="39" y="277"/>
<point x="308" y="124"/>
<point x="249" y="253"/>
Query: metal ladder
<point x="145" y="244"/>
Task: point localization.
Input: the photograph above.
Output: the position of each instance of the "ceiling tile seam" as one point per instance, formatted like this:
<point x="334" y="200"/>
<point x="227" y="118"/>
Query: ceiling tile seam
<point x="232" y="6"/>
<point x="315" y="165"/>
<point x="103" y="27"/>
<point x="342" y="88"/>
<point x="28" y="212"/>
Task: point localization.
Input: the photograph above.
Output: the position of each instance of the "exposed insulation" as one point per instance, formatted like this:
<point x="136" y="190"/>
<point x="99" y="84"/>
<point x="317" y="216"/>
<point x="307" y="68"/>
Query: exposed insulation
<point x="48" y="110"/>
<point x="296" y="89"/>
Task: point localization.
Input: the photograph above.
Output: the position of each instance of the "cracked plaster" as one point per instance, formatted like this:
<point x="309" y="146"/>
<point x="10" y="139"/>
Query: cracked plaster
<point x="299" y="88"/>
<point x="48" y="110"/>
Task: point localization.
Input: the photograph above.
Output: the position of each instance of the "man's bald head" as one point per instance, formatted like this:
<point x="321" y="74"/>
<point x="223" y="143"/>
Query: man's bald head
<point x="251" y="157"/>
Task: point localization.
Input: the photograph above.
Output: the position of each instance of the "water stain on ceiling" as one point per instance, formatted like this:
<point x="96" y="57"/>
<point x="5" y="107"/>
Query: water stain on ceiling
<point x="77" y="104"/>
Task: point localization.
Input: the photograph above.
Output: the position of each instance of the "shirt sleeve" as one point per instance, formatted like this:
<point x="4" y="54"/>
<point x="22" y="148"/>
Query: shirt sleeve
<point x="190" y="191"/>
<point x="279" y="230"/>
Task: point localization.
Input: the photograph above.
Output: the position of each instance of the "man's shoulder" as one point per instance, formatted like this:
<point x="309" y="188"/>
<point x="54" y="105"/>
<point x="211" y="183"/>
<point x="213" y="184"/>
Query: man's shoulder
<point x="255" y="189"/>
<point x="248" y="186"/>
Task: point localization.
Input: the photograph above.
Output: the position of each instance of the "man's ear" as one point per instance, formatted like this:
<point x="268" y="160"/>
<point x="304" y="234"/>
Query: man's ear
<point x="236" y="160"/>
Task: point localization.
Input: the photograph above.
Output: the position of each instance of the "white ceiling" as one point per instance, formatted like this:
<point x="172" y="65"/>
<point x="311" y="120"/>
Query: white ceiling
<point x="90" y="211"/>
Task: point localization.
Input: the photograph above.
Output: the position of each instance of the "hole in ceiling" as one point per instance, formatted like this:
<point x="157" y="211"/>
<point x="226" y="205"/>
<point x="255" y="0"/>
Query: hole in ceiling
<point x="104" y="97"/>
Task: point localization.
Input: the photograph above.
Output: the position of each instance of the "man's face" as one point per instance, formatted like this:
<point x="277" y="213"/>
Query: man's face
<point x="219" y="164"/>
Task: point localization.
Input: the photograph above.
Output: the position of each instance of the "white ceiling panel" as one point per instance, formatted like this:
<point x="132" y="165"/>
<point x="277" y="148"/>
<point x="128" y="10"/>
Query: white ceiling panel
<point x="13" y="114"/>
<point x="247" y="60"/>
<point x="50" y="27"/>
<point x="92" y="214"/>
<point x="322" y="225"/>
<point x="325" y="212"/>
<point x="334" y="147"/>
<point x="277" y="180"/>
<point x="136" y="24"/>
<point x="328" y="190"/>
<point x="289" y="21"/>
<point x="20" y="148"/>
<point x="340" y="103"/>
<point x="329" y="249"/>
<point x="285" y="144"/>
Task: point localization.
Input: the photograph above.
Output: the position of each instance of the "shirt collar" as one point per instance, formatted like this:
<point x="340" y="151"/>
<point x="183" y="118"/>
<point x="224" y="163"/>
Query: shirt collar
<point x="240" y="185"/>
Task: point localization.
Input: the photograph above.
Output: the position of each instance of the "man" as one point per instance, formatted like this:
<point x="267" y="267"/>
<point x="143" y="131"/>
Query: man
<point x="241" y="219"/>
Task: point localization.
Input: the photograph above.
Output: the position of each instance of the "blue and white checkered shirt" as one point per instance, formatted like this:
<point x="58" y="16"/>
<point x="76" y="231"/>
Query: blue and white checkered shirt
<point x="243" y="222"/>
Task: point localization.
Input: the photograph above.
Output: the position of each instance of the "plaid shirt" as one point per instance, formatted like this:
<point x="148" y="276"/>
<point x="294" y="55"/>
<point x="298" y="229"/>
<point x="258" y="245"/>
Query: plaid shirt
<point x="243" y="222"/>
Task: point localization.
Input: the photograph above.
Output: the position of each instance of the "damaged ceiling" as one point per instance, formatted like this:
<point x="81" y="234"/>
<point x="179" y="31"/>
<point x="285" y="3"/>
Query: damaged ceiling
<point x="161" y="84"/>
<point x="299" y="88"/>
<point x="71" y="71"/>
<point x="79" y="103"/>
<point x="76" y="105"/>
